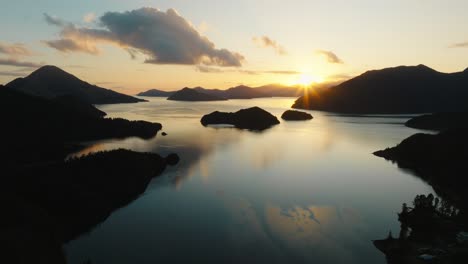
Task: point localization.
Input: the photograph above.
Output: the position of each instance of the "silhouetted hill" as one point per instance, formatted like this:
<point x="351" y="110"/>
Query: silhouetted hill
<point x="243" y="92"/>
<point x="279" y="90"/>
<point x="34" y="127"/>
<point x="439" y="121"/>
<point x="253" y="118"/>
<point x="404" y="89"/>
<point x="51" y="82"/>
<point x="156" y="93"/>
<point x="188" y="94"/>
<point x="238" y="92"/>
<point x="246" y="92"/>
<point x="215" y="92"/>
<point x="76" y="105"/>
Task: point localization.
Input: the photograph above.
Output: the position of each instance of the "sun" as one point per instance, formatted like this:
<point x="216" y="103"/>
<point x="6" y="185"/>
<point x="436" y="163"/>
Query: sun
<point x="306" y="79"/>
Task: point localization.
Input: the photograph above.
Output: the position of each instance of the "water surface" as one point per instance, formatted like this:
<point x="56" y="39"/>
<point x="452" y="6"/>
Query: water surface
<point x="300" y="192"/>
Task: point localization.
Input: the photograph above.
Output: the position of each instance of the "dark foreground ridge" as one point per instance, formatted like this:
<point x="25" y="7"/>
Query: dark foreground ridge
<point x="52" y="82"/>
<point x="188" y="94"/>
<point x="294" y="115"/>
<point x="432" y="231"/>
<point x="399" y="90"/>
<point x="47" y="205"/>
<point x="253" y="118"/>
<point x="48" y="201"/>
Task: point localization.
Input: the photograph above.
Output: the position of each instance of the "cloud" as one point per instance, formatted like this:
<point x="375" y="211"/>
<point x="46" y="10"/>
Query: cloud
<point x="11" y="73"/>
<point x="14" y="50"/>
<point x="330" y="56"/>
<point x="16" y="63"/>
<point x="207" y="69"/>
<point x="54" y="21"/>
<point x="89" y="17"/>
<point x="266" y="42"/>
<point x="283" y="72"/>
<point x="70" y="45"/>
<point x="163" y="37"/>
<point x="460" y="45"/>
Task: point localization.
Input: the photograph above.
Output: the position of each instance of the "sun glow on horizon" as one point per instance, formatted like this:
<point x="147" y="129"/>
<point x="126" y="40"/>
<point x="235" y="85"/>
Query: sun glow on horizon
<point x="307" y="79"/>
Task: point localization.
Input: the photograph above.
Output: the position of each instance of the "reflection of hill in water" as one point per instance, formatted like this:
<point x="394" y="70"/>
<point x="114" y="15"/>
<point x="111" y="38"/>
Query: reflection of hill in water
<point x="191" y="149"/>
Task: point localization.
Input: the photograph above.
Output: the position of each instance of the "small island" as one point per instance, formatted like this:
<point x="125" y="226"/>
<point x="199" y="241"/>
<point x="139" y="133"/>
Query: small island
<point x="294" y="115"/>
<point x="253" y="118"/>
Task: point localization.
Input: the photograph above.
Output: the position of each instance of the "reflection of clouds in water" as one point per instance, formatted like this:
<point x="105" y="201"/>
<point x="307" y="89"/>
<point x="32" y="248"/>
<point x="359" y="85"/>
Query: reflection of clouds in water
<point x="315" y="231"/>
<point x="248" y="238"/>
<point x="306" y="232"/>
<point x="294" y="213"/>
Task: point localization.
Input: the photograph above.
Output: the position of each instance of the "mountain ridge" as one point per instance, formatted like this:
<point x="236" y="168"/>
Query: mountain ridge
<point x="396" y="90"/>
<point x="50" y="82"/>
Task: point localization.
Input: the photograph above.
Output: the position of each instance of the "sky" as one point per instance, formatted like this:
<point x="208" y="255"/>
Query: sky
<point x="132" y="46"/>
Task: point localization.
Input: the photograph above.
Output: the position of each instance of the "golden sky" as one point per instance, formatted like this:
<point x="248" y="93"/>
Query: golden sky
<point x="130" y="46"/>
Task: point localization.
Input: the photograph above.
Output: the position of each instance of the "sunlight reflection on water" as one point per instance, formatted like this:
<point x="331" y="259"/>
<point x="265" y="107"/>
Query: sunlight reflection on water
<point x="299" y="192"/>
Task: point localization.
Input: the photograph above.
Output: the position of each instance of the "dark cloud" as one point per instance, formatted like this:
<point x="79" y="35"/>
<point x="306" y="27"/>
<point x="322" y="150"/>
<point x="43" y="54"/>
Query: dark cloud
<point x="17" y="63"/>
<point x="14" y="50"/>
<point x="330" y="56"/>
<point x="266" y="42"/>
<point x="54" y="21"/>
<point x="163" y="37"/>
<point x="460" y="45"/>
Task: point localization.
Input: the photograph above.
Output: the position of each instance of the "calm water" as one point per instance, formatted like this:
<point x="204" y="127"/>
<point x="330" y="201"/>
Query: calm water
<point x="300" y="192"/>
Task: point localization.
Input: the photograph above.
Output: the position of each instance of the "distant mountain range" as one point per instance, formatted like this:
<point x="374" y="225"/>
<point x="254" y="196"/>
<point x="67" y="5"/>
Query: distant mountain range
<point x="238" y="92"/>
<point x="51" y="82"/>
<point x="156" y="93"/>
<point x="188" y="94"/>
<point x="403" y="89"/>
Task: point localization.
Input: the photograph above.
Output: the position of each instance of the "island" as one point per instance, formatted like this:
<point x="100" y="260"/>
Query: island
<point x="254" y="118"/>
<point x="294" y="115"/>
